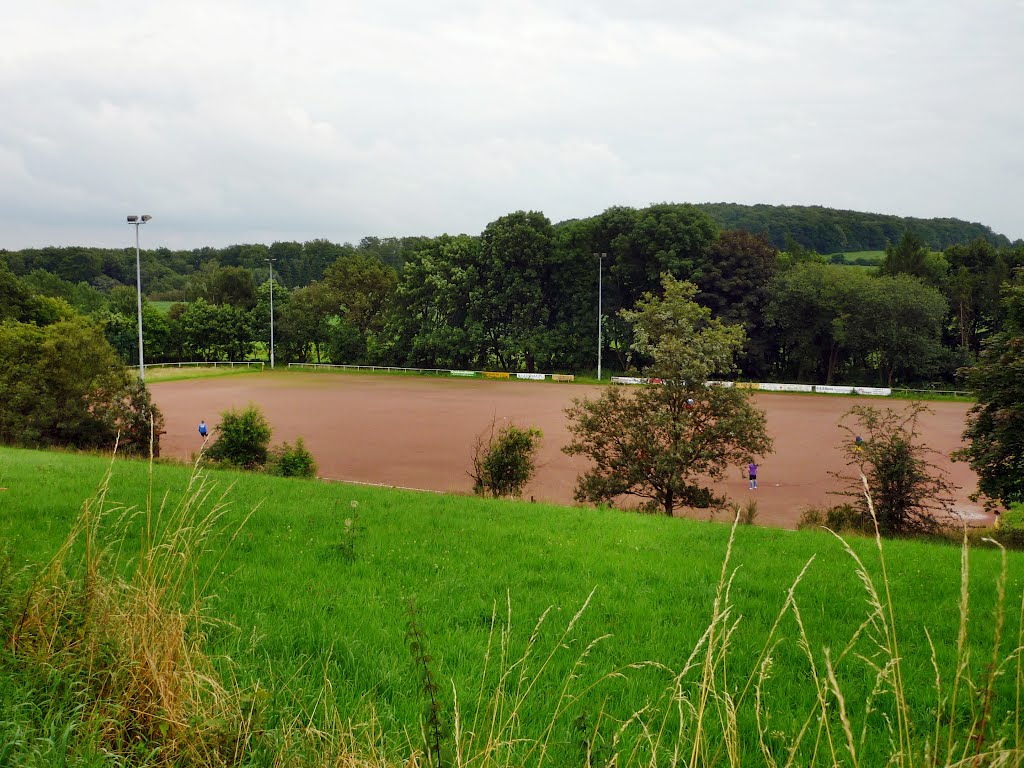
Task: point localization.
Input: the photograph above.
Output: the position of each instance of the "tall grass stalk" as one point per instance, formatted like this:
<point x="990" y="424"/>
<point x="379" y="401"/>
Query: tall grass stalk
<point x="126" y="629"/>
<point x="706" y="711"/>
<point x="495" y="736"/>
<point x="962" y="747"/>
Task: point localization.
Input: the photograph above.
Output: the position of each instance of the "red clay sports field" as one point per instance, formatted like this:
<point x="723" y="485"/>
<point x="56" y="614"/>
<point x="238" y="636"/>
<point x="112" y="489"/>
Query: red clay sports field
<point x="417" y="432"/>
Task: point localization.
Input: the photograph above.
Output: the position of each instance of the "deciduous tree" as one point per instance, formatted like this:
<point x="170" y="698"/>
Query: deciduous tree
<point x="995" y="424"/>
<point x="63" y="385"/>
<point x="506" y="294"/>
<point x="430" y="325"/>
<point x="363" y="289"/>
<point x="734" y="281"/>
<point x="665" y="441"/>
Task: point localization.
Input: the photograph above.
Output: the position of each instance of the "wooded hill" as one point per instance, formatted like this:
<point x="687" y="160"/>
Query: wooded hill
<point x="828" y="230"/>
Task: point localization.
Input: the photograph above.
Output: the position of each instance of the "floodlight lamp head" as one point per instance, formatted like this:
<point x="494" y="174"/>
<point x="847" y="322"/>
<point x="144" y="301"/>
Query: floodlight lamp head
<point x="146" y="217"/>
<point x="132" y="219"/>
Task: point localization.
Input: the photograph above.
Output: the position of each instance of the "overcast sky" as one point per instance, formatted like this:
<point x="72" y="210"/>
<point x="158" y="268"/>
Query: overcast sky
<point x="237" y="121"/>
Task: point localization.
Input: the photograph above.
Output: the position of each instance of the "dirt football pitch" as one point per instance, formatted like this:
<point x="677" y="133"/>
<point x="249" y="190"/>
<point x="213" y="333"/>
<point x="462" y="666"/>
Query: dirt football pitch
<point x="418" y="432"/>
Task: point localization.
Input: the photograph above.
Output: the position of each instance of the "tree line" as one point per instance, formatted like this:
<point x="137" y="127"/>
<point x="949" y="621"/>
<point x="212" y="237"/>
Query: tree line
<point x="523" y="295"/>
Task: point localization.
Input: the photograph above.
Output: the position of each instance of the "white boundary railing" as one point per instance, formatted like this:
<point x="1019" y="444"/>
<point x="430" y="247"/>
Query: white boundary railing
<point x="210" y="364"/>
<point x="753" y="385"/>
<point x="954" y="392"/>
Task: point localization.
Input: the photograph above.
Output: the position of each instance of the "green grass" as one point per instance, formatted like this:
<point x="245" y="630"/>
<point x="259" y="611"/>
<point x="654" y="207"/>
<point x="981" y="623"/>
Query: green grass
<point x="301" y="598"/>
<point x="950" y="395"/>
<point x="174" y="373"/>
<point x="163" y="307"/>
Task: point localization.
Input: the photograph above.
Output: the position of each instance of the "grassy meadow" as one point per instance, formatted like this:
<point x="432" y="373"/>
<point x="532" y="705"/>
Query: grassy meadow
<point x="163" y="307"/>
<point x="859" y="258"/>
<point x="197" y="371"/>
<point x="546" y="634"/>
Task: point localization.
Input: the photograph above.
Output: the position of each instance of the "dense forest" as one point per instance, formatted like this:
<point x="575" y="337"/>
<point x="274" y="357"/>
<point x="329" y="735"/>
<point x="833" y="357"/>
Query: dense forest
<point x="826" y="230"/>
<point x="523" y="294"/>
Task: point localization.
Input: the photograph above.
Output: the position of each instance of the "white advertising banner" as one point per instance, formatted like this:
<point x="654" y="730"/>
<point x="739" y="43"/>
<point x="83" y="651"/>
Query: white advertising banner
<point x="788" y="387"/>
<point x="828" y="389"/>
<point x="879" y="391"/>
<point x="627" y="380"/>
<point x="531" y="376"/>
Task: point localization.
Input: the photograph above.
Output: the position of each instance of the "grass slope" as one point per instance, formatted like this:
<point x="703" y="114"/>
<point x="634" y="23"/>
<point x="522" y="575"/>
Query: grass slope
<point x="316" y="585"/>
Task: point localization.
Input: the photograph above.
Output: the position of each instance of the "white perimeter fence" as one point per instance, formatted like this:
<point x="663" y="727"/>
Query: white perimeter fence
<point x="763" y="386"/>
<point x="206" y="364"/>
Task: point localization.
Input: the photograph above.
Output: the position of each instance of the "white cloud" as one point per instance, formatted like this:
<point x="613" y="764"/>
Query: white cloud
<point x="237" y="121"/>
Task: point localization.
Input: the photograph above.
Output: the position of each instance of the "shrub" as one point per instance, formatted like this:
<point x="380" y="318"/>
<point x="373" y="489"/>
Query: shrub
<point x="504" y="464"/>
<point x="810" y="517"/>
<point x="140" y="422"/>
<point x="842" y="518"/>
<point x="243" y="439"/>
<point x="1011" y="527"/>
<point x="291" y="460"/>
<point x="846" y="517"/>
<point x="745" y="513"/>
<point x="910" y="494"/>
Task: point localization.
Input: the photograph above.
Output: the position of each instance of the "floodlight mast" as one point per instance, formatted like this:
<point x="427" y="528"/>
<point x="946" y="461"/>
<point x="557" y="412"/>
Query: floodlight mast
<point x="136" y="221"/>
<point x="600" y="276"/>
<point x="271" y="263"/>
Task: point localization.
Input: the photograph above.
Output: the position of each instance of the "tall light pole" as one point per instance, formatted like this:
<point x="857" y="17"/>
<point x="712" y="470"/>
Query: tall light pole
<point x="271" y="263"/>
<point x="600" y="279"/>
<point x="136" y="221"/>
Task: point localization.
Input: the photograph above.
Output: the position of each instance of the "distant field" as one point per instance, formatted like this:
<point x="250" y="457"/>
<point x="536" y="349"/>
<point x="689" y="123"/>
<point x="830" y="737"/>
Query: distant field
<point x="162" y="306"/>
<point x="300" y="604"/>
<point x="167" y="372"/>
<point x="858" y="258"/>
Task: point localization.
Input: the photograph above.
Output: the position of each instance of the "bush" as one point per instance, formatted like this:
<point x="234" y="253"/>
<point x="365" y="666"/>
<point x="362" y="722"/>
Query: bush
<point x="243" y="439"/>
<point x="842" y="518"/>
<point x="810" y="517"/>
<point x="746" y="513"/>
<point x="504" y="464"/>
<point x="910" y="494"/>
<point x="1011" y="527"/>
<point x="140" y="422"/>
<point x="291" y="460"/>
